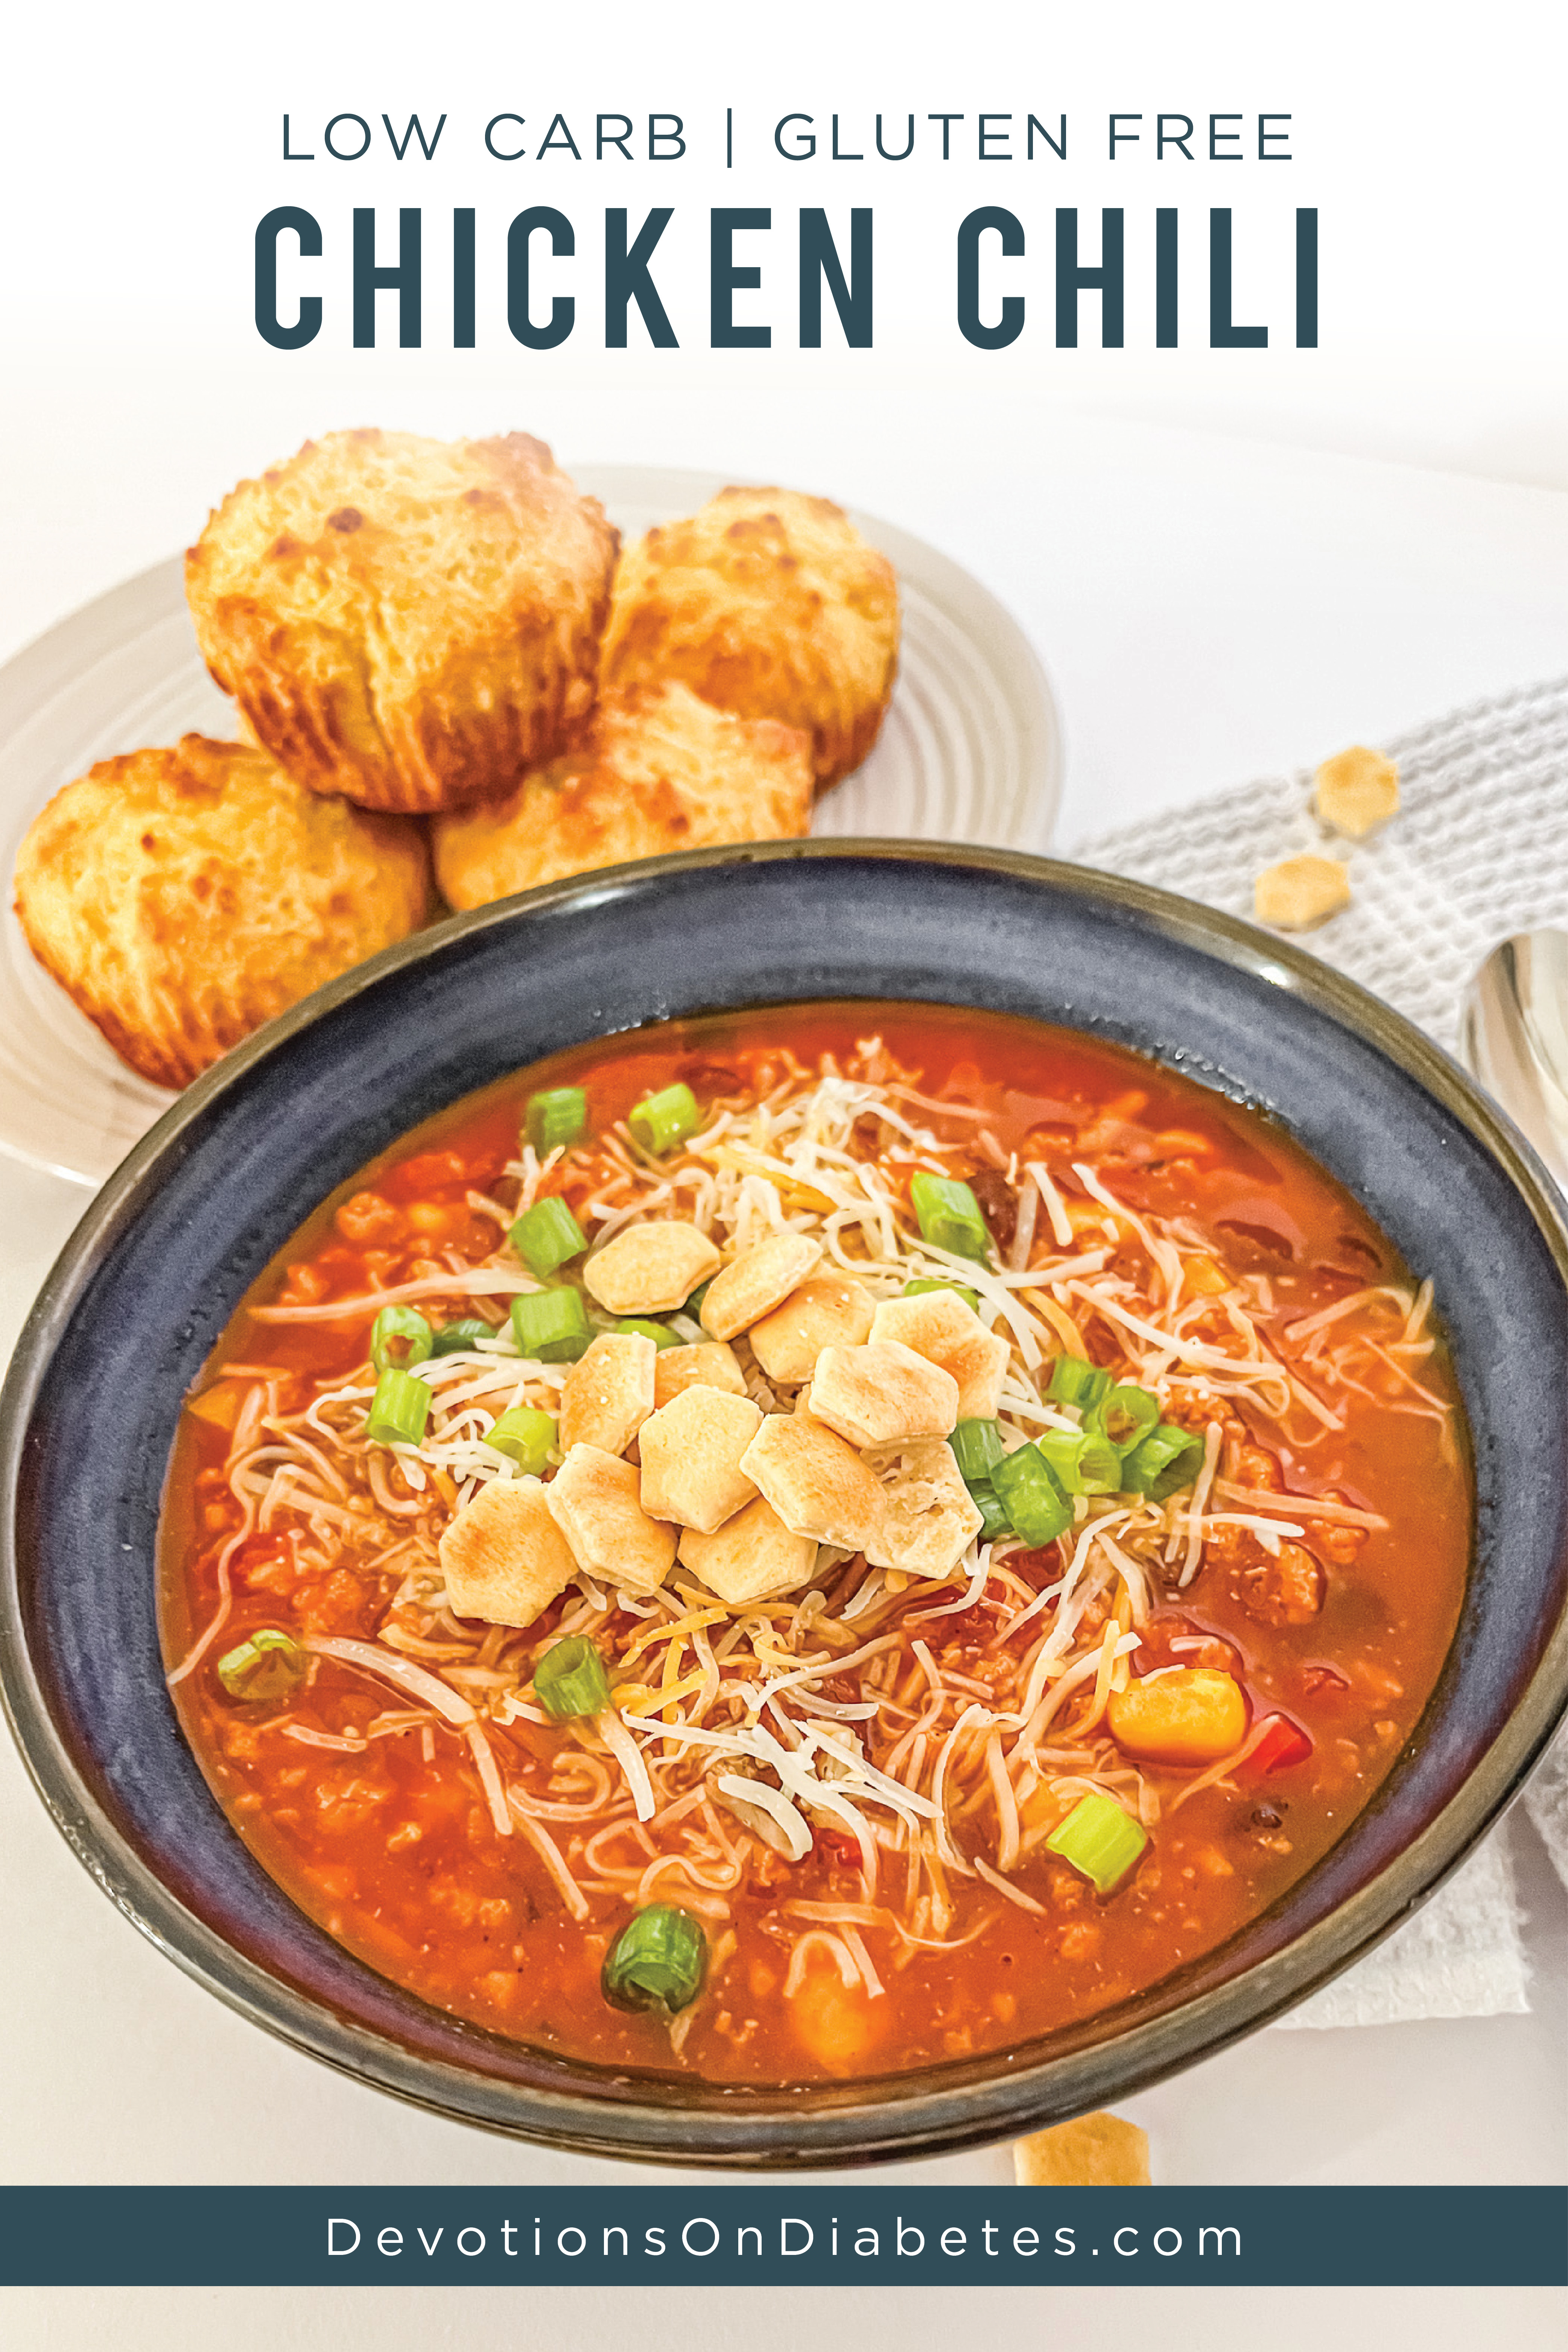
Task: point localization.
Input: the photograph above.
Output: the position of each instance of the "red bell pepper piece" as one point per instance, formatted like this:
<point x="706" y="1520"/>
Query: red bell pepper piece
<point x="1282" y="1744"/>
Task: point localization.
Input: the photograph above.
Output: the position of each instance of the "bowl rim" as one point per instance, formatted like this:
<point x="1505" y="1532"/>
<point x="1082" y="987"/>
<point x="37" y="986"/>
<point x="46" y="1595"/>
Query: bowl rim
<point x="832" y="2125"/>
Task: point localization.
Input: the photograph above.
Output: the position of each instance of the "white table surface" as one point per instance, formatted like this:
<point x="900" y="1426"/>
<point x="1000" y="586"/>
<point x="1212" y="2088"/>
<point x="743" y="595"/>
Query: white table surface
<point x="1208" y="610"/>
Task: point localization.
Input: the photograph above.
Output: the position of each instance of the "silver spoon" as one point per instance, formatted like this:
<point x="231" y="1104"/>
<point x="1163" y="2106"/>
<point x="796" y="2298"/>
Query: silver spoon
<point x="1513" y="1033"/>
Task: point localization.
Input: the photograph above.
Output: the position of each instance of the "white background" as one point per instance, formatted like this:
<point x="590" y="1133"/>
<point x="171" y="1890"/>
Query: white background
<point x="1231" y="562"/>
<point x="142" y="144"/>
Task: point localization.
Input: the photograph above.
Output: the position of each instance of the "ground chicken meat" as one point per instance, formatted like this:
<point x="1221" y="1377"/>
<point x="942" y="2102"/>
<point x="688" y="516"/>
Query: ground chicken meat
<point x="1257" y="1467"/>
<point x="1284" y="1591"/>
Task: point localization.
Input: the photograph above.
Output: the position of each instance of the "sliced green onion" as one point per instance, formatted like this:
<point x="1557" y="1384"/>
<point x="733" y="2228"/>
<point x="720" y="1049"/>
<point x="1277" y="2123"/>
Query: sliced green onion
<point x="1031" y="1496"/>
<point x="1075" y="1383"/>
<point x="660" y="1121"/>
<point x="637" y="1326"/>
<point x="457" y="1338"/>
<point x="555" y="1117"/>
<point x="694" y="1304"/>
<point x="977" y="1448"/>
<point x="1084" y="1462"/>
<point x="949" y="1215"/>
<point x="550" y="1327"/>
<point x="570" y="1679"/>
<point x="1167" y="1460"/>
<point x="527" y="1434"/>
<point x="1125" y="1415"/>
<point x="400" y="1336"/>
<point x="1099" y="1839"/>
<point x="399" y="1409"/>
<point x="268" y="1666"/>
<point x="927" y="1282"/>
<point x="994" y="1519"/>
<point x="656" y="1961"/>
<point x="547" y="1236"/>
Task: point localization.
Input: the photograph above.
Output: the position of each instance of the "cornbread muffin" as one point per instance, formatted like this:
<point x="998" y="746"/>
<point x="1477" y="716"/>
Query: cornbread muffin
<point x="660" y="771"/>
<point x="408" y="623"/>
<point x="183" y="896"/>
<point x="768" y="603"/>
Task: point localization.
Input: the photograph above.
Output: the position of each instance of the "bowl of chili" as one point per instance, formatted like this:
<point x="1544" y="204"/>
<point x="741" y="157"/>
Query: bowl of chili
<point x="1425" y="1170"/>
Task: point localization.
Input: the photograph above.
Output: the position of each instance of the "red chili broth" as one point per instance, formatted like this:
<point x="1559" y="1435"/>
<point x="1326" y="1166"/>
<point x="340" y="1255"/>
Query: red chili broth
<point x="473" y="1924"/>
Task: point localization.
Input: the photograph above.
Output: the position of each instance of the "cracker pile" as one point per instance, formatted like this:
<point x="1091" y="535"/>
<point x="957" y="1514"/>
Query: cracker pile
<point x="449" y="685"/>
<point x="745" y="1497"/>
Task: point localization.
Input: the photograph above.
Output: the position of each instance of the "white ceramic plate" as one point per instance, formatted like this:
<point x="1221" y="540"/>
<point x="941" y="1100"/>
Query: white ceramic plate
<point x="971" y="751"/>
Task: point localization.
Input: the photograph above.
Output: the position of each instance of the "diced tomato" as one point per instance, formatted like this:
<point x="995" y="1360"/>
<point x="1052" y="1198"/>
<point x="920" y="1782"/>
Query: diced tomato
<point x="836" y="1847"/>
<point x="1282" y="1745"/>
<point x="427" y="1173"/>
<point x="1039" y="1566"/>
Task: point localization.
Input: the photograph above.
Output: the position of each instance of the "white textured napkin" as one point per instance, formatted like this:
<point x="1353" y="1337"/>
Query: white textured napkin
<point x="1460" y="1956"/>
<point x="1479" y="850"/>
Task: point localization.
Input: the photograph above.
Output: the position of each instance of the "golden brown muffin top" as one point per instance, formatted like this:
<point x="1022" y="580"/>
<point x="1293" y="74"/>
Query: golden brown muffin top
<point x="660" y="771"/>
<point x="406" y="621"/>
<point x="768" y="602"/>
<point x="358" y="528"/>
<point x="184" y="896"/>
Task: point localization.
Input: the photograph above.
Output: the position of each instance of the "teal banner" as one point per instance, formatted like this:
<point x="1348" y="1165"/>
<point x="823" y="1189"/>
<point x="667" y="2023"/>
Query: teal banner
<point x="773" y="2235"/>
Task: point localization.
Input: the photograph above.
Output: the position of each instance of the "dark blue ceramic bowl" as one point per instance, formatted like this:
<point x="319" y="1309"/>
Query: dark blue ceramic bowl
<point x="155" y="1268"/>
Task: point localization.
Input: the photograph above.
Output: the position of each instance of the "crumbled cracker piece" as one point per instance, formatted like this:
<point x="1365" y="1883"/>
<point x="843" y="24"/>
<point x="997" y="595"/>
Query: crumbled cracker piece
<point x="1098" y="2151"/>
<point x="829" y="1310"/>
<point x="503" y="1557"/>
<point x="941" y="1327"/>
<point x="608" y="1393"/>
<point x="594" y="1498"/>
<point x="930" y="1518"/>
<point x="706" y="1365"/>
<point x="1299" y="892"/>
<point x="882" y="1393"/>
<point x="818" y="1486"/>
<point x="691" y="1450"/>
<point x="757" y="1282"/>
<point x="750" y="1557"/>
<point x="649" y="1269"/>
<point x="1356" y="792"/>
